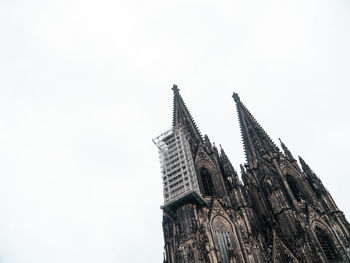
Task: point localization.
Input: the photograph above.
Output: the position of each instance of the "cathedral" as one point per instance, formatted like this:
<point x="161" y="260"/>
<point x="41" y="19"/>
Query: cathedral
<point x="277" y="210"/>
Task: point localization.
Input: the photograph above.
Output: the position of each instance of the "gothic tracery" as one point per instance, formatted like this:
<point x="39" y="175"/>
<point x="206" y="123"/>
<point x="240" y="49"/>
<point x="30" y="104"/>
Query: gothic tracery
<point x="279" y="212"/>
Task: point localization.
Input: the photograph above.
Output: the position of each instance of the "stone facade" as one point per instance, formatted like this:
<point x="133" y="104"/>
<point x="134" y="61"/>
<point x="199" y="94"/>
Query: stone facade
<point x="279" y="212"/>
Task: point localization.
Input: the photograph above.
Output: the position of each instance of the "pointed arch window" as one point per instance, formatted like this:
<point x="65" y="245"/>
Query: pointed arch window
<point x="223" y="240"/>
<point x="206" y="181"/>
<point x="326" y="244"/>
<point x="224" y="245"/>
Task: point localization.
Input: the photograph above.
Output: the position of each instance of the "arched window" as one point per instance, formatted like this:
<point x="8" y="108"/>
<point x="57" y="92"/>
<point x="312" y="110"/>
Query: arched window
<point x="221" y="230"/>
<point x="293" y="186"/>
<point x="326" y="244"/>
<point x="206" y="181"/>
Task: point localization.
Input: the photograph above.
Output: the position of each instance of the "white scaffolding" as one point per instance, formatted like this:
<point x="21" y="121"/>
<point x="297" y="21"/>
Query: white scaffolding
<point x="176" y="163"/>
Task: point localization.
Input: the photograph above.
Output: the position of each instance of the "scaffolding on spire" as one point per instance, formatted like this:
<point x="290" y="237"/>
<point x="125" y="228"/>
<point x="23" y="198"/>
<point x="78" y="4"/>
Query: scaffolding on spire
<point x="177" y="167"/>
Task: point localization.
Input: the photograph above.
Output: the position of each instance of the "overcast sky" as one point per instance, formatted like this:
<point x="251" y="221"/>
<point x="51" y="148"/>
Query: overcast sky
<point x="86" y="85"/>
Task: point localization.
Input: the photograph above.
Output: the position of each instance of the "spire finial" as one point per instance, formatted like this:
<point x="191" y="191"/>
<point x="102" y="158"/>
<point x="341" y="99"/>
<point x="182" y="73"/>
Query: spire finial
<point x="304" y="165"/>
<point x="175" y="88"/>
<point x="282" y="144"/>
<point x="286" y="150"/>
<point x="235" y="97"/>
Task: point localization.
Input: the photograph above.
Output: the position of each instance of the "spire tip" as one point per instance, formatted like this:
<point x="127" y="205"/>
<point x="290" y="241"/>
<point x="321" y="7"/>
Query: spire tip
<point x="235" y="97"/>
<point x="175" y="88"/>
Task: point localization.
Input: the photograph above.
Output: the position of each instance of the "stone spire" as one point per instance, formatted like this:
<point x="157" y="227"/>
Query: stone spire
<point x="227" y="167"/>
<point x="182" y="116"/>
<point x="313" y="179"/>
<point x="304" y="165"/>
<point x="255" y="140"/>
<point x="286" y="151"/>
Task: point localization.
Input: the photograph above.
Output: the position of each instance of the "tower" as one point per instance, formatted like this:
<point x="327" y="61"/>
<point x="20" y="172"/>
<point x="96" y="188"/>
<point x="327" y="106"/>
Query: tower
<point x="278" y="212"/>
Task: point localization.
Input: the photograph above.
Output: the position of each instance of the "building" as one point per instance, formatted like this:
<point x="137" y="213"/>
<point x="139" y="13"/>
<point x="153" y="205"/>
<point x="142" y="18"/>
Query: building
<point x="279" y="211"/>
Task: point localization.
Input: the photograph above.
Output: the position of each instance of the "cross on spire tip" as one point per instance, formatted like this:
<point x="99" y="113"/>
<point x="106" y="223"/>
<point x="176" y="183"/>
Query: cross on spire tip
<point x="235" y="97"/>
<point x="175" y="88"/>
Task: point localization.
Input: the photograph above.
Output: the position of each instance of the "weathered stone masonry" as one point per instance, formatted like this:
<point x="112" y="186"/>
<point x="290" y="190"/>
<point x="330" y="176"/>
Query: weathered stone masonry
<point x="279" y="212"/>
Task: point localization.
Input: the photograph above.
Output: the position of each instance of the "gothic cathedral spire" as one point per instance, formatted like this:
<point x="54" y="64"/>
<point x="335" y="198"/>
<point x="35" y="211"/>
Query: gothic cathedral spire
<point x="279" y="214"/>
<point x="256" y="142"/>
<point x="182" y="116"/>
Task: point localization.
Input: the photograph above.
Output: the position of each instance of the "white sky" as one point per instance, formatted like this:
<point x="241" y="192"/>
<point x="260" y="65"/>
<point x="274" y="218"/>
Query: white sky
<point x="85" y="86"/>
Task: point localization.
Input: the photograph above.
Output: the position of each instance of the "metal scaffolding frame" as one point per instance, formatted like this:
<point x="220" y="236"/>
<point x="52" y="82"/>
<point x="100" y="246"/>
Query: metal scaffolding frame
<point x="176" y="164"/>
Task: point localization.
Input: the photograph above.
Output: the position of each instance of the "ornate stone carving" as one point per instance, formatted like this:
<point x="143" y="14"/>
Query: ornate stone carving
<point x="258" y="220"/>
